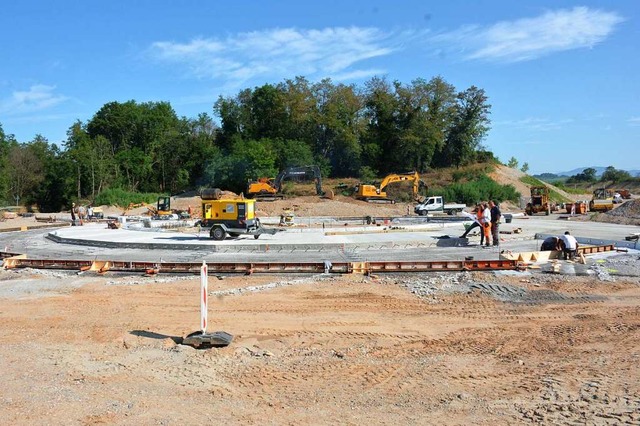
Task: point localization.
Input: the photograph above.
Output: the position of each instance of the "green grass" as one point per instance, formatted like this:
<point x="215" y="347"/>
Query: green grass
<point x="482" y="188"/>
<point x="553" y="194"/>
<point x="120" y="197"/>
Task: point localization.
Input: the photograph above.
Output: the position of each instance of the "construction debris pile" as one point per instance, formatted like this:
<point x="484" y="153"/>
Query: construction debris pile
<point x="629" y="209"/>
<point x="628" y="213"/>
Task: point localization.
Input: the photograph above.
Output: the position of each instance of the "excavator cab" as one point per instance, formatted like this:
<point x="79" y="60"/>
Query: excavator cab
<point x="164" y="205"/>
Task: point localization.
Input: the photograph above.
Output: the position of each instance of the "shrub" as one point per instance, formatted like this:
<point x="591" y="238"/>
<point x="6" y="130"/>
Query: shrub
<point x="481" y="189"/>
<point x="120" y="197"/>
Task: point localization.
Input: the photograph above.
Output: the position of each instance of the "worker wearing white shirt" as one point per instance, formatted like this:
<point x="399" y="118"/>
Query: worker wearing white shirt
<point x="569" y="245"/>
<point x="486" y="224"/>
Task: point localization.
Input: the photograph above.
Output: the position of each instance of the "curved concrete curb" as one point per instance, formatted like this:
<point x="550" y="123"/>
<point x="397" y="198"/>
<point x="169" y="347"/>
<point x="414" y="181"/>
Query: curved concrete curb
<point x="258" y="248"/>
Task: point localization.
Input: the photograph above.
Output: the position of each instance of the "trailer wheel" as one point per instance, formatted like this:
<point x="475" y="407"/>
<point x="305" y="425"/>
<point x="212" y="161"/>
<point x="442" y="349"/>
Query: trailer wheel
<point x="218" y="233"/>
<point x="256" y="236"/>
<point x="233" y="234"/>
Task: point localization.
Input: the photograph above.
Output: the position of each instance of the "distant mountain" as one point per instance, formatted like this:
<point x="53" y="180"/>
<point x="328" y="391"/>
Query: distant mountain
<point x="599" y="171"/>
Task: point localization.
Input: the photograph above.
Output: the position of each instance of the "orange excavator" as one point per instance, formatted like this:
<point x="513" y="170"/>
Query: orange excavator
<point x="267" y="189"/>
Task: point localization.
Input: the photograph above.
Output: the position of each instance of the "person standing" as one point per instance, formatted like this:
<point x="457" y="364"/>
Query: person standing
<point x="486" y="224"/>
<point x="81" y="214"/>
<point x="73" y="214"/>
<point x="569" y="245"/>
<point x="496" y="214"/>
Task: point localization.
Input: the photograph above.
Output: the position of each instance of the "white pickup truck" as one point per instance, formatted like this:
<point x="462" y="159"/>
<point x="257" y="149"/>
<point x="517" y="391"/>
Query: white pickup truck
<point x="437" y="205"/>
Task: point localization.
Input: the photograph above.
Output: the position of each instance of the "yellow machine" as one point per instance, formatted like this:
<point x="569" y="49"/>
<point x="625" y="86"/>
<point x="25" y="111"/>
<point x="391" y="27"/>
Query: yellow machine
<point x="540" y="201"/>
<point x="263" y="188"/>
<point x="162" y="209"/>
<point x="230" y="217"/>
<point x="268" y="189"/>
<point x="602" y="200"/>
<point x="374" y="194"/>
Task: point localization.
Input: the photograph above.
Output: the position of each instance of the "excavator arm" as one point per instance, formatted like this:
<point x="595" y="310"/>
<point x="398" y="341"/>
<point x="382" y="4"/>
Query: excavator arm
<point x="372" y="194"/>
<point x="297" y="172"/>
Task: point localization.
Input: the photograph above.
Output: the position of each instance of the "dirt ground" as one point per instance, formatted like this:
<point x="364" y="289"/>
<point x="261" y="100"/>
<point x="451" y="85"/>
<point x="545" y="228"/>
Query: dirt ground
<point x="405" y="349"/>
<point x="455" y="348"/>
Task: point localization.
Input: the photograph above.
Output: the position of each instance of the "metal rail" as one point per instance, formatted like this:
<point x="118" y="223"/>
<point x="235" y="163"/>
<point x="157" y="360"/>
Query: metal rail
<point x="15" y="260"/>
<point x="102" y="266"/>
<point x="595" y="249"/>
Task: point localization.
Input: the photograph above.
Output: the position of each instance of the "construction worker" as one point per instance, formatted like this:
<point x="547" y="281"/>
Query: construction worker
<point x="476" y="223"/>
<point x="569" y="245"/>
<point x="551" y="244"/>
<point x="81" y="214"/>
<point x="496" y="214"/>
<point x="73" y="214"/>
<point x="486" y="224"/>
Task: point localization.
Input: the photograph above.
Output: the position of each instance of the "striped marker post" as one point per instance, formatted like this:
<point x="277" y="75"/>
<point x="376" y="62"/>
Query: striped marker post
<point x="203" y="300"/>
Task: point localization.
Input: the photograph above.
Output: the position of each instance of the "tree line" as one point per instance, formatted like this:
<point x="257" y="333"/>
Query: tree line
<point x="349" y="131"/>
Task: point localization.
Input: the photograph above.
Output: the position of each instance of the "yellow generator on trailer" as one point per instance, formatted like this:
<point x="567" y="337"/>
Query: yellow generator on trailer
<point x="231" y="217"/>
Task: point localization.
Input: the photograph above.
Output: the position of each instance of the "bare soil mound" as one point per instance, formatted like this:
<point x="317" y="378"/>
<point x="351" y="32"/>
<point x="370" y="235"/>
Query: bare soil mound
<point x="628" y="213"/>
<point x="507" y="176"/>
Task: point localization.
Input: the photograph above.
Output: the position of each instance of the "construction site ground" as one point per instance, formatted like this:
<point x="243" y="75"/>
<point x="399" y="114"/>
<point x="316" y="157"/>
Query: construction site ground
<point x="423" y="348"/>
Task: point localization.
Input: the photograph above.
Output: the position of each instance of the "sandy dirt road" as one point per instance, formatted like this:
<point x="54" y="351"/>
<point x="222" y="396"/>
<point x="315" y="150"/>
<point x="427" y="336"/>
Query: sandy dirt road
<point x="412" y="349"/>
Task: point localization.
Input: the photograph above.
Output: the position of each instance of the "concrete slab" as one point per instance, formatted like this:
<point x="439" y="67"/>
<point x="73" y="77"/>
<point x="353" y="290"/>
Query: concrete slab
<point x="316" y="236"/>
<point x="303" y="238"/>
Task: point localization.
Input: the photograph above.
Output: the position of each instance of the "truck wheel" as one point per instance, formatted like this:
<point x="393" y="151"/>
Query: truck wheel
<point x="218" y="233"/>
<point x="422" y="212"/>
<point x="256" y="236"/>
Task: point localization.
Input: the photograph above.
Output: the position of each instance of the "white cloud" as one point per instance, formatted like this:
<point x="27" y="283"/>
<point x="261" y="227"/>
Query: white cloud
<point x="634" y="121"/>
<point x="39" y="97"/>
<point x="536" y="123"/>
<point x="530" y="38"/>
<point x="278" y="53"/>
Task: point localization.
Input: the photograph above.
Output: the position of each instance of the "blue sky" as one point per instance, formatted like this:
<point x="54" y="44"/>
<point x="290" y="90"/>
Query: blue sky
<point x="562" y="76"/>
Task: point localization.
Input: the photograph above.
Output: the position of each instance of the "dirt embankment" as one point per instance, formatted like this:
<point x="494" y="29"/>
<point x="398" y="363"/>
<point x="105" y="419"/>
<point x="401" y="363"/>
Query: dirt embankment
<point x="507" y="176"/>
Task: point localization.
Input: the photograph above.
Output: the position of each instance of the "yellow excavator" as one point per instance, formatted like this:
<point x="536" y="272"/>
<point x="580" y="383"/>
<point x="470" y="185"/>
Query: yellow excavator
<point x="373" y="194"/>
<point x="162" y="209"/>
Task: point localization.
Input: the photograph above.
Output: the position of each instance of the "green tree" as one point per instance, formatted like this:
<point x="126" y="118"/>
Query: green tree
<point x="588" y="175"/>
<point x="611" y="174"/>
<point x="441" y="111"/>
<point x="6" y="143"/>
<point x="25" y="173"/>
<point x="338" y="126"/>
<point x="381" y="137"/>
<point x="513" y="163"/>
<point x="470" y="126"/>
<point x="524" y="168"/>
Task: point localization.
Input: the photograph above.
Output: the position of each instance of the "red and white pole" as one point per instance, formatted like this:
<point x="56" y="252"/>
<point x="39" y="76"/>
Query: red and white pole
<point x="203" y="299"/>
